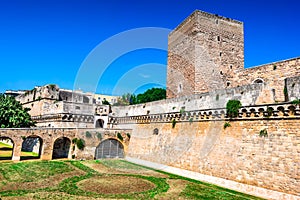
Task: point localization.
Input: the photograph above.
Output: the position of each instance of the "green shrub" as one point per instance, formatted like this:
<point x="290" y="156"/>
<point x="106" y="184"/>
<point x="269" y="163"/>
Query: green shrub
<point x="174" y="123"/>
<point x="88" y="134"/>
<point x="80" y="144"/>
<point x="99" y="135"/>
<point x="226" y="124"/>
<point x="296" y="102"/>
<point x="232" y="108"/>
<point x="119" y="136"/>
<point x="263" y="133"/>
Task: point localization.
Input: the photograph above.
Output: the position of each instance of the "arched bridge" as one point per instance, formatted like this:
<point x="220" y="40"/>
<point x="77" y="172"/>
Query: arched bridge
<point x="53" y="143"/>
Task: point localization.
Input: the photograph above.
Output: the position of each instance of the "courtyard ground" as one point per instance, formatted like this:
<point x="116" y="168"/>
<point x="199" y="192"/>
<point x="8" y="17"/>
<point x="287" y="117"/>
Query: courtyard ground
<point x="100" y="179"/>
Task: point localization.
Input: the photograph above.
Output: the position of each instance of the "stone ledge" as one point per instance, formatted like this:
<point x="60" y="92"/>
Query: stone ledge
<point x="244" y="188"/>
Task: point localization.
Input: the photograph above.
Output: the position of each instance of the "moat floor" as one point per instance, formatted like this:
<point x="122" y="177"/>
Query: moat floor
<point x="100" y="179"/>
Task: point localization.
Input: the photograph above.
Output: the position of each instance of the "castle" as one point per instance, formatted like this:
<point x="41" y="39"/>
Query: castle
<point x="258" y="153"/>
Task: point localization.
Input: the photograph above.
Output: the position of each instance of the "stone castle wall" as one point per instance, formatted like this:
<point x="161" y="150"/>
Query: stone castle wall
<point x="274" y="74"/>
<point x="204" y="53"/>
<point x="198" y="142"/>
<point x="48" y="137"/>
<point x="247" y="94"/>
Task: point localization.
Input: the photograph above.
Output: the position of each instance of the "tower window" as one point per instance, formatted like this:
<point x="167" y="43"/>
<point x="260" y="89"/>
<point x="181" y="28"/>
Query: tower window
<point x="221" y="72"/>
<point x="230" y="66"/>
<point x="228" y="83"/>
<point x="218" y="38"/>
<point x="220" y="53"/>
<point x="217" y="21"/>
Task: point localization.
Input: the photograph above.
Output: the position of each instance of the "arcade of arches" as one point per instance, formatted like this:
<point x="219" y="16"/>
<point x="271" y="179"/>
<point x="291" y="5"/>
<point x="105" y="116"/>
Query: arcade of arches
<point x="56" y="143"/>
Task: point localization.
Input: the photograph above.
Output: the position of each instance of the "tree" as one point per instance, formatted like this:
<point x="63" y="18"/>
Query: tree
<point x="105" y="102"/>
<point x="153" y="94"/>
<point x="13" y="115"/>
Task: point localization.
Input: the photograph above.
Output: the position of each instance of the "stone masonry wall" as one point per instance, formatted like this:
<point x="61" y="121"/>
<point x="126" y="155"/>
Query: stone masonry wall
<point x="274" y="74"/>
<point x="236" y="153"/>
<point x="204" y="52"/>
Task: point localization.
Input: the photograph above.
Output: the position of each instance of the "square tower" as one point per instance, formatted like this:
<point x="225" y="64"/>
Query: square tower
<point x="204" y="52"/>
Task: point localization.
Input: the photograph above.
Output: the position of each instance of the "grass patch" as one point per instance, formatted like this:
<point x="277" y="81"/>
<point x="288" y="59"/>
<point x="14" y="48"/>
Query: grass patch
<point x="4" y="145"/>
<point x="83" y="182"/>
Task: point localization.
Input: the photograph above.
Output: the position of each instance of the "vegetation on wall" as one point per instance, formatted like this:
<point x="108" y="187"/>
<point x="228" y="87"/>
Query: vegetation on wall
<point x="119" y="136"/>
<point x="226" y="124"/>
<point x="173" y="123"/>
<point x="13" y="115"/>
<point x="79" y="143"/>
<point x="296" y="102"/>
<point x="232" y="108"/>
<point x="99" y="135"/>
<point x="263" y="133"/>
<point x="88" y="134"/>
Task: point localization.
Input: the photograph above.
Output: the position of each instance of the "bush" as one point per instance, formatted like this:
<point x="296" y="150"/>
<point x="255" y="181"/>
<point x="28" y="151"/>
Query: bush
<point x="119" y="136"/>
<point x="226" y="124"/>
<point x="263" y="133"/>
<point x="173" y="123"/>
<point x="99" y="136"/>
<point x="79" y="143"/>
<point x="88" y="134"/>
<point x="232" y="108"/>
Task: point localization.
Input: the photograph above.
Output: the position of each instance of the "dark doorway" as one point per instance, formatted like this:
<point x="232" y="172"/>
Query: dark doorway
<point x="109" y="148"/>
<point x="61" y="148"/>
<point x="100" y="123"/>
<point x="31" y="148"/>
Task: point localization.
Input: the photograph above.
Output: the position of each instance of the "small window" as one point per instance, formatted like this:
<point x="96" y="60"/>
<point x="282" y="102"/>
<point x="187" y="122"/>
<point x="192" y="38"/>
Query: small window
<point x="77" y="107"/>
<point x="155" y="131"/>
<point x="220" y="53"/>
<point x="217" y="21"/>
<point x="228" y="83"/>
<point x="219" y="38"/>
<point x="258" y="81"/>
<point x="221" y="72"/>
<point x="230" y="66"/>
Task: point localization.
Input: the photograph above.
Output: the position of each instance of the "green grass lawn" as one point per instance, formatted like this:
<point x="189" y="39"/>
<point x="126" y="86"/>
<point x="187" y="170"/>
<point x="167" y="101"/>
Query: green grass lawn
<point x="93" y="179"/>
<point x="4" y="145"/>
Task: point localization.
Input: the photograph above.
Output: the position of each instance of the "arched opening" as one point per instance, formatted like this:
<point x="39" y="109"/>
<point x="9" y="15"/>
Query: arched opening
<point x="61" y="148"/>
<point x="31" y="148"/>
<point x="100" y="123"/>
<point x="110" y="148"/>
<point x="6" y="148"/>
<point x="258" y="81"/>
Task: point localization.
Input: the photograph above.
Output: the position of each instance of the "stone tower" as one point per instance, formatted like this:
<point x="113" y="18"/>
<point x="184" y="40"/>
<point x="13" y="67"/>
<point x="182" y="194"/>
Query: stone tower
<point x="204" y="52"/>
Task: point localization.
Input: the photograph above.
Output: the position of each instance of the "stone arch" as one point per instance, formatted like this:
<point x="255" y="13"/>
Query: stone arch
<point x="61" y="148"/>
<point x="258" y="80"/>
<point x="6" y="148"/>
<point x="110" y="148"/>
<point x="100" y="123"/>
<point x="31" y="147"/>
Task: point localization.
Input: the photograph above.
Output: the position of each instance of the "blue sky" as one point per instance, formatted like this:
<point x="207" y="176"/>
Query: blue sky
<point x="47" y="41"/>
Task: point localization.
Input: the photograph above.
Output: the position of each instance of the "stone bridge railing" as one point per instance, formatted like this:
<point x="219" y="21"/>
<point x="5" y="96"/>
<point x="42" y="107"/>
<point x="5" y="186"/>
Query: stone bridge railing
<point x="267" y="111"/>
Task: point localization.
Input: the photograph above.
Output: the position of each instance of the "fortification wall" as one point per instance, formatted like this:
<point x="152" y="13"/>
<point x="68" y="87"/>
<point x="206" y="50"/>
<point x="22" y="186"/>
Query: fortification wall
<point x="247" y="94"/>
<point x="204" y="52"/>
<point x="92" y="138"/>
<point x="274" y="74"/>
<point x="198" y="142"/>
